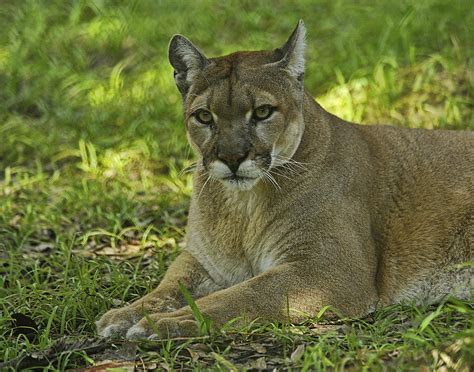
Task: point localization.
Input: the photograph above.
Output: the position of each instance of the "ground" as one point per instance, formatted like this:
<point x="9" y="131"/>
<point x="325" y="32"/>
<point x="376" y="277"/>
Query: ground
<point x="93" y="201"/>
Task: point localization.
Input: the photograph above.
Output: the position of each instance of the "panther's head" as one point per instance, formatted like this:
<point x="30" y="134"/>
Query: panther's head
<point x="243" y="112"/>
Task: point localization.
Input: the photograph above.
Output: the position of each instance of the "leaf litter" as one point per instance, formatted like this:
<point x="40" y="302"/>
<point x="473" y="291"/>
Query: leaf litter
<point x="230" y="351"/>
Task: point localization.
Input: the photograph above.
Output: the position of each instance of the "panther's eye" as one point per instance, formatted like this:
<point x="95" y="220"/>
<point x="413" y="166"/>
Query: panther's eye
<point x="203" y="116"/>
<point x="263" y="112"/>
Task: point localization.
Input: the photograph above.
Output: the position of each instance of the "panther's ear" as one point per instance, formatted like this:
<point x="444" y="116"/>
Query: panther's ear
<point x="294" y="52"/>
<point x="186" y="60"/>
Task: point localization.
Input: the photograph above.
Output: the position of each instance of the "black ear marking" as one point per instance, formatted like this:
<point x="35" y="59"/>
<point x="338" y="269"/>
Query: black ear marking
<point x="186" y="60"/>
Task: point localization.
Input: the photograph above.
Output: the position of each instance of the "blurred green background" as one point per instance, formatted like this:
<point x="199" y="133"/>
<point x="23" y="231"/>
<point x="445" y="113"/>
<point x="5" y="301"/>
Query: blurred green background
<point x="92" y="140"/>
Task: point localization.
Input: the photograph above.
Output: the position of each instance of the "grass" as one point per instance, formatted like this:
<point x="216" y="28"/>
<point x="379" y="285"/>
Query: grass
<point x="92" y="202"/>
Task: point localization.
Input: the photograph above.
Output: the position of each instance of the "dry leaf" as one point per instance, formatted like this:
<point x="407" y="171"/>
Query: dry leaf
<point x="259" y="363"/>
<point x="24" y="325"/>
<point x="194" y="356"/>
<point x="297" y="353"/>
<point x="116" y="302"/>
<point x="126" y="250"/>
<point x="14" y="221"/>
<point x="259" y="348"/>
<point x="107" y="365"/>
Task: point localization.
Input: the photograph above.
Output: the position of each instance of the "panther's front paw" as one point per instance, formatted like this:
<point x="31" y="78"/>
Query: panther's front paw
<point x="164" y="326"/>
<point x="116" y="322"/>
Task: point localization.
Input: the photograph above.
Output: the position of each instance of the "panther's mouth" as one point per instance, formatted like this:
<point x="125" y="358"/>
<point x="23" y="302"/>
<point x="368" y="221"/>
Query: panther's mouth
<point x="237" y="178"/>
<point x="243" y="178"/>
<point x="241" y="183"/>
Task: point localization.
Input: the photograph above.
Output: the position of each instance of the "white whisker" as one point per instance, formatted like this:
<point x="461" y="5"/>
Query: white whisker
<point x="189" y="169"/>
<point x="203" y="186"/>
<point x="289" y="166"/>
<point x="268" y="176"/>
<point x="281" y="174"/>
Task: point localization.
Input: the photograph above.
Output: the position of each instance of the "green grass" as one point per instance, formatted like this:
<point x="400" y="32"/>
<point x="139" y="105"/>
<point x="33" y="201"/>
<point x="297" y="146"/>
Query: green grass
<point x="92" y="202"/>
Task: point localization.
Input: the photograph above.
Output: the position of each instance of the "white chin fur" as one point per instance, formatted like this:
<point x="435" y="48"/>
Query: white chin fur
<point x="241" y="184"/>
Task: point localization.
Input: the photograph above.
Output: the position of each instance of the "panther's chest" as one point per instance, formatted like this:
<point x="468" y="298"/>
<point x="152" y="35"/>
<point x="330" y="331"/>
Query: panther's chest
<point x="234" y="245"/>
<point x="232" y="261"/>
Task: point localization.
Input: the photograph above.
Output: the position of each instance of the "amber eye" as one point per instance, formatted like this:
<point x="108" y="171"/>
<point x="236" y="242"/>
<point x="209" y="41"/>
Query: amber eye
<point x="263" y="112"/>
<point x="203" y="116"/>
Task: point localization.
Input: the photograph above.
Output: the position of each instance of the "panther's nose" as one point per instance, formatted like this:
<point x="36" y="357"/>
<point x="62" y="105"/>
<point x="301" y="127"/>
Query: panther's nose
<point x="232" y="159"/>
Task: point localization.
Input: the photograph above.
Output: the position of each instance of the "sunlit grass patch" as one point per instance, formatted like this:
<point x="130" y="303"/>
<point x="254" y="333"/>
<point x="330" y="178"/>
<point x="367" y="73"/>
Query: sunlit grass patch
<point x="430" y="94"/>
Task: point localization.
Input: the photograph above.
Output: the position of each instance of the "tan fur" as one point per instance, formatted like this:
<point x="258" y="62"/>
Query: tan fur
<point x="357" y="217"/>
